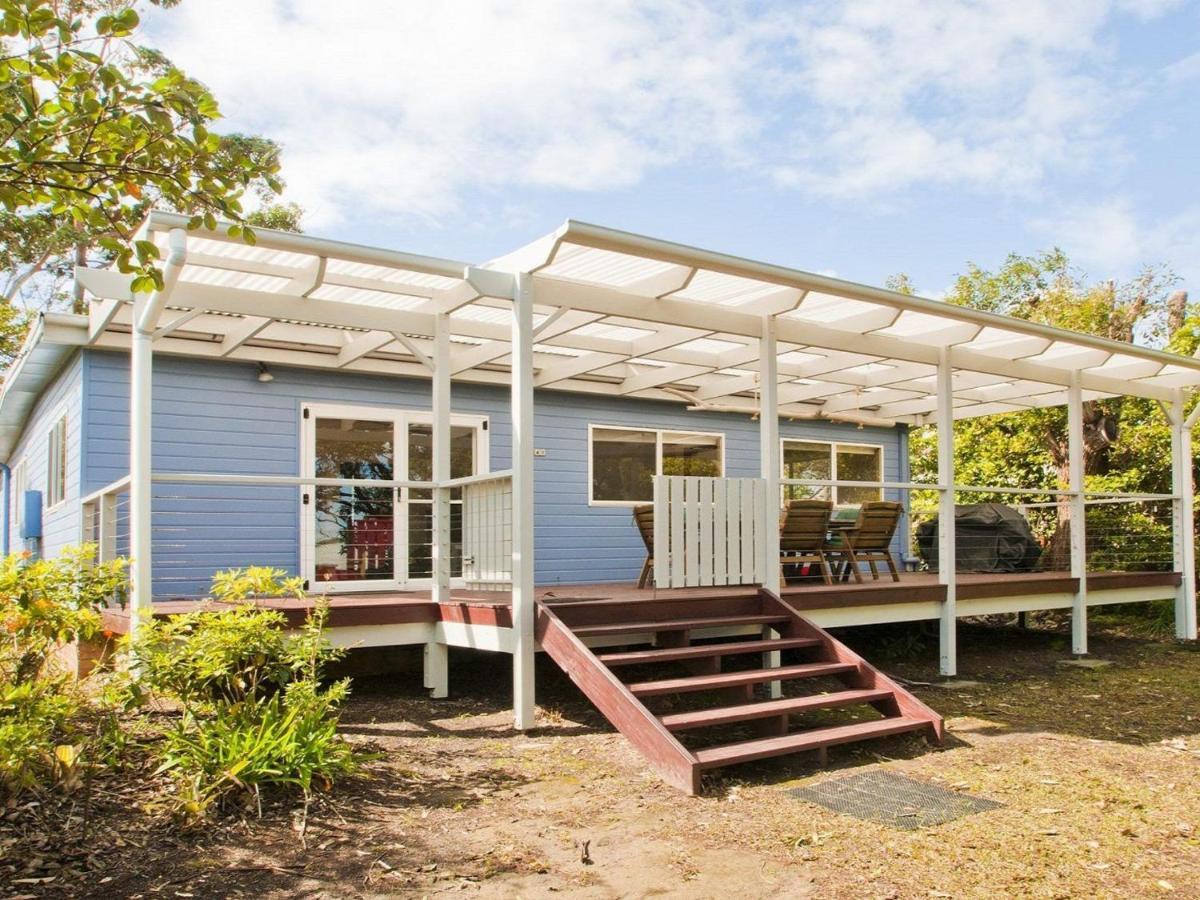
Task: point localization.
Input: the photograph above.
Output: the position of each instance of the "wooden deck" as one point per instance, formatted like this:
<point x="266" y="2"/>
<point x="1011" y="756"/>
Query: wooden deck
<point x="491" y="608"/>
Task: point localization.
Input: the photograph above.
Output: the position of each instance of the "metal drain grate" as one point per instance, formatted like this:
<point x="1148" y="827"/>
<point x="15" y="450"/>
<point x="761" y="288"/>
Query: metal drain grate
<point x="893" y="799"/>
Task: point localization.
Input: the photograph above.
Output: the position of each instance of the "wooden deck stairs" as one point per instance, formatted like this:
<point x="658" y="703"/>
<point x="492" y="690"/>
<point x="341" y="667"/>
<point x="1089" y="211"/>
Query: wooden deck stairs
<point x="688" y="680"/>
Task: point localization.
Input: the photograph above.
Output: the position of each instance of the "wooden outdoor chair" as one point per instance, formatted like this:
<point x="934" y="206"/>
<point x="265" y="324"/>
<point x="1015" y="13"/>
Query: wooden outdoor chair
<point x="803" y="536"/>
<point x="643" y="516"/>
<point x="869" y="540"/>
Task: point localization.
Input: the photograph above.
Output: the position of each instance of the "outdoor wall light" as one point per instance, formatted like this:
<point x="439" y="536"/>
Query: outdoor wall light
<point x="264" y="374"/>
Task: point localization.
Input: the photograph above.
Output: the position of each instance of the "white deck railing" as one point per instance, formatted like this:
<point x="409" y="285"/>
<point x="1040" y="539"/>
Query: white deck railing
<point x="707" y="531"/>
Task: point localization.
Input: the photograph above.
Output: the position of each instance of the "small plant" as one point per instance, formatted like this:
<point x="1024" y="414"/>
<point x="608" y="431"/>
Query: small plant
<point x="255" y="713"/>
<point x="234" y="585"/>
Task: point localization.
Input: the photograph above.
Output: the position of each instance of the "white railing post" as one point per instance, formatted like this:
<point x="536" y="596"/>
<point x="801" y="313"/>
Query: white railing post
<point x="1078" y="523"/>
<point x="1183" y="518"/>
<point x="140" y="443"/>
<point x="523" y="516"/>
<point x="947" y="561"/>
<point x="662" y="534"/>
<point x="437" y="653"/>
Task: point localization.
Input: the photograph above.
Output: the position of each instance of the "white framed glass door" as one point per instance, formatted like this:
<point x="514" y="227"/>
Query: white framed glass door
<point x="368" y="538"/>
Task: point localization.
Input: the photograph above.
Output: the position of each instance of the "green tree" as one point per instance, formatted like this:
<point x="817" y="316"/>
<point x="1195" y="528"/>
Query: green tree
<point x="1126" y="439"/>
<point x="97" y="129"/>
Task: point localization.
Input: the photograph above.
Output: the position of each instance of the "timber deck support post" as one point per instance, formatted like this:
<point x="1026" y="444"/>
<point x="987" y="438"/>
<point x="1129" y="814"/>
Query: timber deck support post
<point x="947" y="560"/>
<point x="522" y="503"/>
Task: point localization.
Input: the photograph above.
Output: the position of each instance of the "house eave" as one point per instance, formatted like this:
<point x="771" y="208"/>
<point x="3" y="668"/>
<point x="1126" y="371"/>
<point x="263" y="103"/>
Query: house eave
<point x="51" y="342"/>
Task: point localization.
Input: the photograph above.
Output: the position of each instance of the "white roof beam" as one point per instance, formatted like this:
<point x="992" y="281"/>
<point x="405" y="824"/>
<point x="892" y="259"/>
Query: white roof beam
<point x="247" y="328"/>
<point x="309" y="278"/>
<point x="101" y="315"/>
<point x="856" y="400"/>
<point x="360" y="345"/>
<point x="177" y="323"/>
<point x="664" y="283"/>
<point x="448" y="301"/>
<point x="781" y="301"/>
<point x="581" y="365"/>
<point x="653" y="376"/>
<point x="411" y="346"/>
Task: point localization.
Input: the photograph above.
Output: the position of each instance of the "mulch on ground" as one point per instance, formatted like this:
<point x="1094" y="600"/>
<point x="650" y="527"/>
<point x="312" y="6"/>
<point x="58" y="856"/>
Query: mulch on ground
<point x="1096" y="770"/>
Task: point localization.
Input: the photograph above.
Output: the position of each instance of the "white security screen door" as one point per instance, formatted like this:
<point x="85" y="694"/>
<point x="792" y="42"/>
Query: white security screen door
<point x="367" y="538"/>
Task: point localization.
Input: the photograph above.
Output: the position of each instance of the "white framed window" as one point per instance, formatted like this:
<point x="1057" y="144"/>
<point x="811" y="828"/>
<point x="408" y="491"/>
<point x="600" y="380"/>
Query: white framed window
<point x="20" y="483"/>
<point x="825" y="461"/>
<point x="56" y="463"/>
<point x="622" y="461"/>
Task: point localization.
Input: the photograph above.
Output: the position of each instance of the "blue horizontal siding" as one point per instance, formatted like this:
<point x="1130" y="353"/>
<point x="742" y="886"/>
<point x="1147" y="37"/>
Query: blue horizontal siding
<point x="215" y="416"/>
<point x="61" y="524"/>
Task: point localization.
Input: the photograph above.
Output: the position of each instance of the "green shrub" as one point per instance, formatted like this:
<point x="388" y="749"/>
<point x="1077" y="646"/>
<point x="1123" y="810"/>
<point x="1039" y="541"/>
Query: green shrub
<point x="45" y="604"/>
<point x="254" y="711"/>
<point x="222" y="656"/>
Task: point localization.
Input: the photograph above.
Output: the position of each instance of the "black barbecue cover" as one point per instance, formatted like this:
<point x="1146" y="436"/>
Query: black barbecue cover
<point x="989" y="537"/>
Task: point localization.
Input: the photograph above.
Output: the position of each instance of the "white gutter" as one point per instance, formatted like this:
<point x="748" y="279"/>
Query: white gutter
<point x="176" y="258"/>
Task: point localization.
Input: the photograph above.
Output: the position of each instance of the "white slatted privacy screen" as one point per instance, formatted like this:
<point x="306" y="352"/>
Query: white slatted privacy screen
<point x="487" y="534"/>
<point x="706" y="530"/>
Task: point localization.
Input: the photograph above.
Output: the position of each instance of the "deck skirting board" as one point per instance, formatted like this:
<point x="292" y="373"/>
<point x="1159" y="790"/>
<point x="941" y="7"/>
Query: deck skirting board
<point x="879" y="614"/>
<point x="475" y="637"/>
<point x="350" y="637"/>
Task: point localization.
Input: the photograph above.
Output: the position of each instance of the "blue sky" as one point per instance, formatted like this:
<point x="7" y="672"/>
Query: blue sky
<point x="862" y="138"/>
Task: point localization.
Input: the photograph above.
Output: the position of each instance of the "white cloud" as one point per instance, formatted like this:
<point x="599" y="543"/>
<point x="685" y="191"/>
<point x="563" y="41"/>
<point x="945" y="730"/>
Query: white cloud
<point x="406" y="109"/>
<point x="395" y="108"/>
<point x="1111" y="239"/>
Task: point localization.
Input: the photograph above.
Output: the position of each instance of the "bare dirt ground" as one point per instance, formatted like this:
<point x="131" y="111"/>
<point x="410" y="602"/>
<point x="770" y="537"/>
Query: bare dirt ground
<point x="1098" y="771"/>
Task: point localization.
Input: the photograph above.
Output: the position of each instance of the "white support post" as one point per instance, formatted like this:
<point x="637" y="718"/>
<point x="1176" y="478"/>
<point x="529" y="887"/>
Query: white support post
<point x="1183" y="518"/>
<point x="947" y="562"/>
<point x="768" y="453"/>
<point x="1078" y="520"/>
<point x="140" y="442"/>
<point x="437" y="654"/>
<point x="522" y="503"/>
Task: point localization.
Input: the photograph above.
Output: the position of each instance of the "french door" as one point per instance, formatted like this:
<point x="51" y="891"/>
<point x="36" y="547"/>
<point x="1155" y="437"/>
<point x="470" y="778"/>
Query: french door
<point x="356" y="538"/>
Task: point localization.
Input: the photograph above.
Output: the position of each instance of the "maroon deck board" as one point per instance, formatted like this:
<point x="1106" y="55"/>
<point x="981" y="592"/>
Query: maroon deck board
<point x="588" y="601"/>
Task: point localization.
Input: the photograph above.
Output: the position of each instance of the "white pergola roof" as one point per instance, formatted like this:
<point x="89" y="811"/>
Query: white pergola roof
<point x="617" y="313"/>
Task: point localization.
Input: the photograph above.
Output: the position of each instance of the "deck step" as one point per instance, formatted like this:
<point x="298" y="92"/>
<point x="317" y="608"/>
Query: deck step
<point x="747" y="751"/>
<point x="651" y="627"/>
<point x="704" y="651"/>
<point x="736" y="679"/>
<point x="726" y="715"/>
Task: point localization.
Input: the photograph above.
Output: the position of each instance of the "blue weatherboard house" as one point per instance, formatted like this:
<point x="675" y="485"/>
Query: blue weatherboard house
<point x="601" y="439"/>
